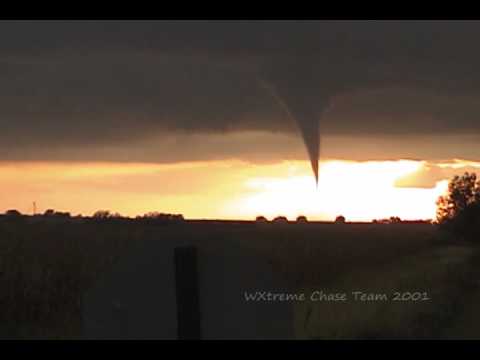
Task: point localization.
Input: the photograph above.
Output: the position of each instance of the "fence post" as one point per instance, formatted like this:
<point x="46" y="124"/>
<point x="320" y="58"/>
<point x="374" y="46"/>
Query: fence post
<point x="187" y="292"/>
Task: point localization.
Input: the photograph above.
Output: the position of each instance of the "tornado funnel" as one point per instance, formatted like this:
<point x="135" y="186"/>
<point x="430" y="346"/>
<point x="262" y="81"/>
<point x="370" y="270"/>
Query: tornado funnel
<point x="304" y="111"/>
<point x="311" y="137"/>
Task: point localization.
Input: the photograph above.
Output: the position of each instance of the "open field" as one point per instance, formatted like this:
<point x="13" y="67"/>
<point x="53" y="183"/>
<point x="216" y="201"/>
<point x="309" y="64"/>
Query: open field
<point x="45" y="267"/>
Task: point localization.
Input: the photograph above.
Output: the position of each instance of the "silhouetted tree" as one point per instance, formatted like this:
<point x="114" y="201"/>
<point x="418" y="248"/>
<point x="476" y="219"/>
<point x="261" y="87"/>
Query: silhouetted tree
<point x="102" y="214"/>
<point x="61" y="214"/>
<point x="302" y="219"/>
<point x="161" y="217"/>
<point x="261" y="219"/>
<point x="340" y="219"/>
<point x="459" y="210"/>
<point x="280" y="219"/>
<point x="13" y="213"/>
<point x="390" y="220"/>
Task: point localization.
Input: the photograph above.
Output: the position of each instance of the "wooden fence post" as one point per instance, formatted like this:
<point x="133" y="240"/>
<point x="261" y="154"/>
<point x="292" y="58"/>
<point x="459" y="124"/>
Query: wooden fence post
<point x="187" y="291"/>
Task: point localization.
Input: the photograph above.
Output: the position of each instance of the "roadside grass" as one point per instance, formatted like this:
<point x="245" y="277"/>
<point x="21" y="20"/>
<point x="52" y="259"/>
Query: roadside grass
<point x="467" y="322"/>
<point x="441" y="272"/>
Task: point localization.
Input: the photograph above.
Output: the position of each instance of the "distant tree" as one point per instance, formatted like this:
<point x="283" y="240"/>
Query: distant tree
<point x="261" y="219"/>
<point x="340" y="219"/>
<point x="56" y="214"/>
<point x="154" y="215"/>
<point x="459" y="210"/>
<point x="280" y="219"/>
<point x="62" y="214"/>
<point x="390" y="220"/>
<point x="302" y="219"/>
<point x="49" y="212"/>
<point x="419" y="221"/>
<point x="13" y="213"/>
<point x="107" y="215"/>
<point x="395" y="220"/>
<point x="178" y="217"/>
<point x="161" y="217"/>
<point x="102" y="214"/>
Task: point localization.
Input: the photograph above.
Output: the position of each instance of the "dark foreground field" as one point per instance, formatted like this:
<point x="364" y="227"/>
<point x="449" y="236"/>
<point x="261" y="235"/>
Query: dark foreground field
<point x="46" y="266"/>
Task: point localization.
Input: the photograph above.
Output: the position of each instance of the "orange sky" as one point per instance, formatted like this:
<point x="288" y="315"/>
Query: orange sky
<point x="232" y="189"/>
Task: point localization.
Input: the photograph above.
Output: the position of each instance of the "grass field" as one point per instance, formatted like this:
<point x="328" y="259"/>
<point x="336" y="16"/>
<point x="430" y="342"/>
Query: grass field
<point x="45" y="267"/>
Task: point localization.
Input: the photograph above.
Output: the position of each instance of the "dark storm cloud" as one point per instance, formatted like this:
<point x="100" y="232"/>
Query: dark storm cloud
<point x="98" y="84"/>
<point x="98" y="99"/>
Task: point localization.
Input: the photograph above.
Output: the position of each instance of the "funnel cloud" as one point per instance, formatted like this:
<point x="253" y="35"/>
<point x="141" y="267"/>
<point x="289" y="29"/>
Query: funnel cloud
<point x="298" y="86"/>
<point x="308" y="125"/>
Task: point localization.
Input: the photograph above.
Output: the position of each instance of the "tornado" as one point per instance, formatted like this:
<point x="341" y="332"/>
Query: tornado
<point x="310" y="131"/>
<point x="303" y="109"/>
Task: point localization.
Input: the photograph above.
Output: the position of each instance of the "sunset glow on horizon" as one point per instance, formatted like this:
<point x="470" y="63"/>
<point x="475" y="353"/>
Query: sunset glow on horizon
<point x="360" y="191"/>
